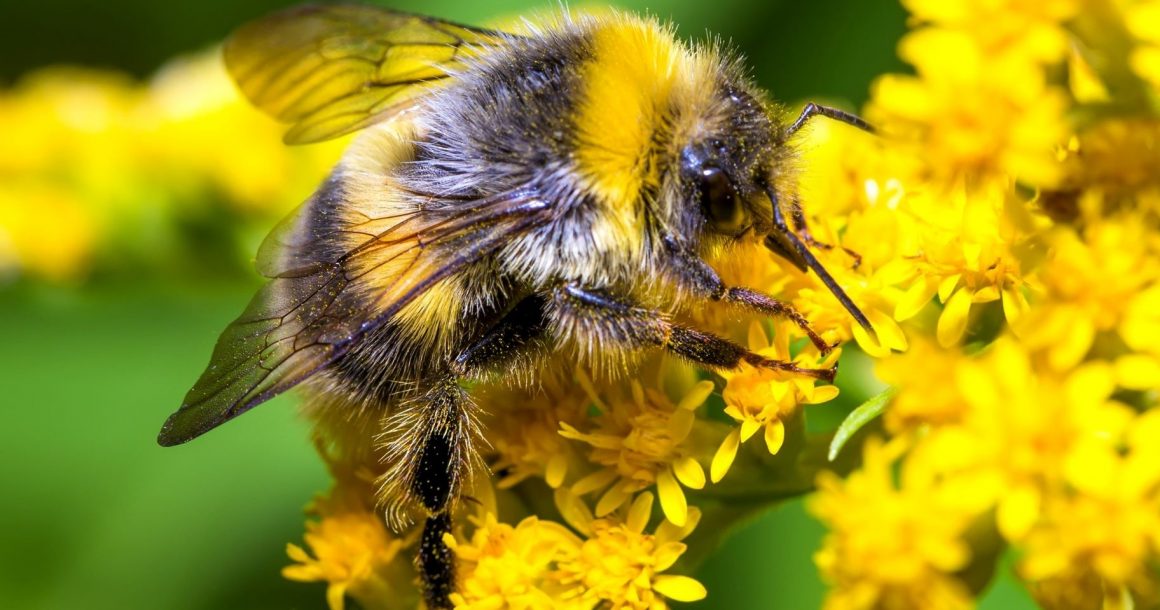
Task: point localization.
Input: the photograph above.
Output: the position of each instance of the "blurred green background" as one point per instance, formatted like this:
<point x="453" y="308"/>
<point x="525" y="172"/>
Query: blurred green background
<point x="96" y="516"/>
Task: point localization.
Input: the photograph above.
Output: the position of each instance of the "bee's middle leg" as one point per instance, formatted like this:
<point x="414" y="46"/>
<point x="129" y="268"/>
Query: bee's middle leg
<point x="598" y="321"/>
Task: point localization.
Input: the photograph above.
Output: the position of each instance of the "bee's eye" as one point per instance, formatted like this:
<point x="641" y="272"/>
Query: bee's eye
<point x="720" y="202"/>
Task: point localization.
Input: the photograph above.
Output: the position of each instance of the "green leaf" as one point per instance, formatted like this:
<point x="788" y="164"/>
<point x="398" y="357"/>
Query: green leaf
<point x="864" y="414"/>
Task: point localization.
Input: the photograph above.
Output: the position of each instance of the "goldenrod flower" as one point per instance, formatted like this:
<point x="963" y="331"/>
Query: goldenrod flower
<point x="1092" y="280"/>
<point x="929" y="399"/>
<point x="353" y="552"/>
<point x="518" y="567"/>
<point x="1143" y="19"/>
<point x="92" y="161"/>
<point x="524" y="431"/>
<point x="620" y="566"/>
<point x="640" y="440"/>
<point x="1107" y="521"/>
<point x="892" y="546"/>
<point x="539" y="564"/>
<point x="763" y="399"/>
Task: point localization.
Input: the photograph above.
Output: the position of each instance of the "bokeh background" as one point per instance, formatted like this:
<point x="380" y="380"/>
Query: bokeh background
<point x="134" y="189"/>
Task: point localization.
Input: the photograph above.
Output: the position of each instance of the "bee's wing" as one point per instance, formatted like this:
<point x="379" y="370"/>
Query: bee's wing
<point x="331" y="70"/>
<point x="311" y="315"/>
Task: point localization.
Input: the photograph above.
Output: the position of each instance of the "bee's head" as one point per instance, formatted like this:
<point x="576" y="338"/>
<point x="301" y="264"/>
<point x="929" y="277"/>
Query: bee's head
<point x="728" y="169"/>
<point x="731" y="173"/>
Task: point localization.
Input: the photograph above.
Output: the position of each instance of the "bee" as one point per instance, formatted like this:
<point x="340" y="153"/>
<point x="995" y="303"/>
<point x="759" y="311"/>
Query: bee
<point x="510" y="197"/>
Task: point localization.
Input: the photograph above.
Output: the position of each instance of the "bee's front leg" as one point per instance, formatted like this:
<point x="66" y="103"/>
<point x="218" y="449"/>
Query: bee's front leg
<point x="696" y="276"/>
<point x="602" y="323"/>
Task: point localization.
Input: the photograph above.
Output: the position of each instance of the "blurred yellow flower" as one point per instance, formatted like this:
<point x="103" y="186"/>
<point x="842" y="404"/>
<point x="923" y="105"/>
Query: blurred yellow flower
<point x="353" y="552"/>
<point x="892" y="545"/>
<point x="1143" y="19"/>
<point x="1107" y="522"/>
<point x="92" y="161"/>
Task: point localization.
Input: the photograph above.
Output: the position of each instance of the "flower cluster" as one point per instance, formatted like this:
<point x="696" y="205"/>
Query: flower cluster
<point x="1022" y="167"/>
<point x="99" y="172"/>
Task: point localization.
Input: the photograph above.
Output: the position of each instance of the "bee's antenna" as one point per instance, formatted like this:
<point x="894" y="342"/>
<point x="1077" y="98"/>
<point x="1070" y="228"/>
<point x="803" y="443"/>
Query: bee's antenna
<point x="787" y="240"/>
<point x="812" y="110"/>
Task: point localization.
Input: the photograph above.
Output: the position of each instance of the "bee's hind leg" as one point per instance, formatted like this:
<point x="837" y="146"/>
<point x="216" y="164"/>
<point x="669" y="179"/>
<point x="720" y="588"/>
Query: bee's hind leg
<point x="430" y="442"/>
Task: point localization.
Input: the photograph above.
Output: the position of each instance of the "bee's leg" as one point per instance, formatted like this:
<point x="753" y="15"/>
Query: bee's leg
<point x="433" y="439"/>
<point x="700" y="279"/>
<point x="429" y="447"/>
<point x="811" y="110"/>
<point x="801" y="227"/>
<point x="601" y="321"/>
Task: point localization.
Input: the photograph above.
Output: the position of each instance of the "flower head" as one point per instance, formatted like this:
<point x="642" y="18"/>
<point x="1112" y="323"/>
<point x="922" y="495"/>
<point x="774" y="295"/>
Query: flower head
<point x="620" y="565"/>
<point x="892" y="545"/>
<point x="765" y="399"/>
<point x="641" y="439"/>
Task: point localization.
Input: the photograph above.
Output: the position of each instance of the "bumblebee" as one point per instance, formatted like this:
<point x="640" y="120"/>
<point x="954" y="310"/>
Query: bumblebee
<point x="510" y="197"/>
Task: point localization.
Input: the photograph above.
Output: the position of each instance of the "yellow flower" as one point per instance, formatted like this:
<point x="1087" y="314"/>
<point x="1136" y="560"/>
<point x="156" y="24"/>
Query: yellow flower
<point x="539" y="564"/>
<point x="44" y="231"/>
<point x="353" y="552"/>
<point x="524" y="431"/>
<point x="501" y="566"/>
<point x="1116" y="158"/>
<point x="972" y="253"/>
<point x="1030" y="27"/>
<point x="199" y="112"/>
<point x="1143" y="19"/>
<point x="96" y="161"/>
<point x="640" y="440"/>
<point x="1108" y="521"/>
<point x="926" y="399"/>
<point x="763" y="399"/>
<point x="620" y="566"/>
<point x="1092" y="280"/>
<point x="1019" y="425"/>
<point x="979" y="106"/>
<point x="891" y="546"/>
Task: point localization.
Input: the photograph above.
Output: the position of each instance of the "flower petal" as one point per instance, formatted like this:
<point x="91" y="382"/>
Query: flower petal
<point x="612" y="499"/>
<point x="689" y="473"/>
<point x="723" y="459"/>
<point x="672" y="497"/>
<point x="679" y="588"/>
<point x="696" y="396"/>
<point x="555" y="470"/>
<point x="916" y="297"/>
<point x="667" y="554"/>
<point x="748" y="427"/>
<point x="953" y="321"/>
<point x="774" y="435"/>
<point x="947" y="286"/>
<point x="640" y="512"/>
<point x="597" y="480"/>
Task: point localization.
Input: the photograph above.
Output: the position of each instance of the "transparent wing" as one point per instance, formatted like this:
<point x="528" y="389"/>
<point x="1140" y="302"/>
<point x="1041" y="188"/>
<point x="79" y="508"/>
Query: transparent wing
<point x="331" y="70"/>
<point x="312" y="314"/>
